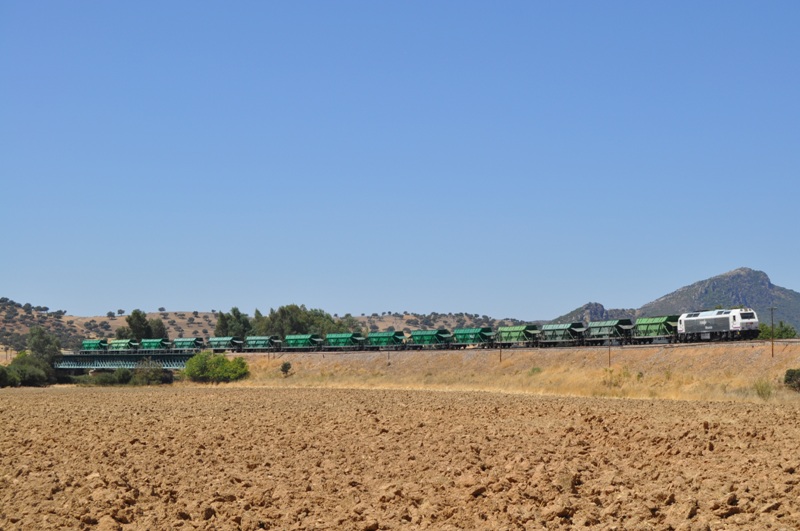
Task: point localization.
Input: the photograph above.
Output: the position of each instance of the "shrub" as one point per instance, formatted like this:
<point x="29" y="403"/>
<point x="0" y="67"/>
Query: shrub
<point x="792" y="379"/>
<point x="197" y="367"/>
<point x="118" y="377"/>
<point x="123" y="376"/>
<point x="29" y="371"/>
<point x="149" y="372"/>
<point x="285" y="368"/>
<point x="13" y="379"/>
<point x="103" y="378"/>
<point x="209" y="367"/>
<point x="3" y="376"/>
<point x="763" y="388"/>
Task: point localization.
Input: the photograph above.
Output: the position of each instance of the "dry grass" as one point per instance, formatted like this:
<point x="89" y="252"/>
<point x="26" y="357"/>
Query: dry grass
<point x="738" y="372"/>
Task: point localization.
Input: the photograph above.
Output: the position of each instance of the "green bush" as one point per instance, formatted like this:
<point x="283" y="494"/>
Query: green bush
<point x="4" y="379"/>
<point x="123" y="376"/>
<point x="118" y="377"/>
<point x="13" y="379"/>
<point x="285" y="368"/>
<point x="103" y="378"/>
<point x="792" y="379"/>
<point x="197" y="367"/>
<point x="216" y="368"/>
<point x="30" y="371"/>
<point x="149" y="372"/>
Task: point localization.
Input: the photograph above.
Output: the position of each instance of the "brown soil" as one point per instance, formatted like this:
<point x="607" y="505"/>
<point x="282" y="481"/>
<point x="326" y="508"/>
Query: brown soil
<point x="191" y="457"/>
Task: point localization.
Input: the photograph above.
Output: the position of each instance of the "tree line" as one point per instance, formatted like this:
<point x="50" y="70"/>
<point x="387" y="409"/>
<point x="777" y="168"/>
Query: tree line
<point x="34" y="366"/>
<point x="782" y="331"/>
<point x="286" y="320"/>
<point x="139" y="327"/>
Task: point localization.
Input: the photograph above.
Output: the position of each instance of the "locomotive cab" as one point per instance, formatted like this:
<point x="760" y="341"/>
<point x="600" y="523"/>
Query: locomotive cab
<point x="718" y="325"/>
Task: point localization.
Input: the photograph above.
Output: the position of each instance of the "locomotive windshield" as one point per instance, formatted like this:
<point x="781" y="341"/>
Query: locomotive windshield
<point x="748" y="315"/>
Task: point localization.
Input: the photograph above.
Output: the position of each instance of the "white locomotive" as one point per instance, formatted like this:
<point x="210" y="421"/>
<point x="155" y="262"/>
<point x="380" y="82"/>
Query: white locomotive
<point x="718" y="325"/>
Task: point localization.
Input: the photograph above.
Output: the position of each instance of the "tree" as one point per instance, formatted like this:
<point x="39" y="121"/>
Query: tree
<point x="221" y="329"/>
<point x="294" y="319"/>
<point x="782" y="331"/>
<point x="110" y="315"/>
<point x="140" y="327"/>
<point x="162" y="309"/>
<point x="209" y="367"/>
<point x="157" y="329"/>
<point x="43" y="345"/>
<point x="120" y="312"/>
<point x="350" y="324"/>
<point x="286" y="320"/>
<point x="123" y="332"/>
<point x="238" y="323"/>
<point x="233" y="324"/>
<point x="30" y="371"/>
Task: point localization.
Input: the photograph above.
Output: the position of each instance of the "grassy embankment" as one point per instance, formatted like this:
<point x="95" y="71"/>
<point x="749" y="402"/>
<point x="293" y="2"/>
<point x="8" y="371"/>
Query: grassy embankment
<point x="731" y="371"/>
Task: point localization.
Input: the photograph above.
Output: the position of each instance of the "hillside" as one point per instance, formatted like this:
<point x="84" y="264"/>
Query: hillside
<point x="413" y="321"/>
<point x="594" y="311"/>
<point x="741" y="287"/>
<point x="17" y="318"/>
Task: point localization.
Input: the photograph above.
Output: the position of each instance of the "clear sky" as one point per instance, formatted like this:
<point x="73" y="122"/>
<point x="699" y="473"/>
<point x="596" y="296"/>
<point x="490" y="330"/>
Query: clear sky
<point x="513" y="159"/>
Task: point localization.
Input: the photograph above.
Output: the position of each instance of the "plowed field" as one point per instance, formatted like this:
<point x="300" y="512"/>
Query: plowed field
<point x="260" y="458"/>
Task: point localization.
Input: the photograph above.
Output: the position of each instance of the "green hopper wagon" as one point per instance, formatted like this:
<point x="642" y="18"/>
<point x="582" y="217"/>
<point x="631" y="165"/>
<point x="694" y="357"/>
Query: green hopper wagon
<point x="431" y="339"/>
<point x="303" y="342"/>
<point x="222" y="344"/>
<point x="345" y="341"/>
<point x="468" y="337"/>
<point x="187" y="344"/>
<point x="94" y="346"/>
<point x="650" y="329"/>
<point x="155" y="345"/>
<point x="123" y="346"/>
<point x="386" y="340"/>
<point x="562" y="335"/>
<point x="517" y="336"/>
<point x="262" y="344"/>
<point x="614" y="331"/>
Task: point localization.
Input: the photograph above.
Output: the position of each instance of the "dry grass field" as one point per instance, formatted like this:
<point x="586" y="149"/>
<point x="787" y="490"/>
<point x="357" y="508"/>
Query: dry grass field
<point x="732" y="371"/>
<point x="542" y="439"/>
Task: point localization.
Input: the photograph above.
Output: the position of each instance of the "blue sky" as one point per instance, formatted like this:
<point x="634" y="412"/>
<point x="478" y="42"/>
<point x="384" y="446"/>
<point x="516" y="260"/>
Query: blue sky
<point x="514" y="159"/>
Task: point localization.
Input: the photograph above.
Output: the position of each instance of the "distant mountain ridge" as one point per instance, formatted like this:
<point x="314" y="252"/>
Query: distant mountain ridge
<point x="740" y="287"/>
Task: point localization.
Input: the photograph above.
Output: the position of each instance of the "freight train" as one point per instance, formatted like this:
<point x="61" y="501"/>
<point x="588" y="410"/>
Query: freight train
<point x="714" y="325"/>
